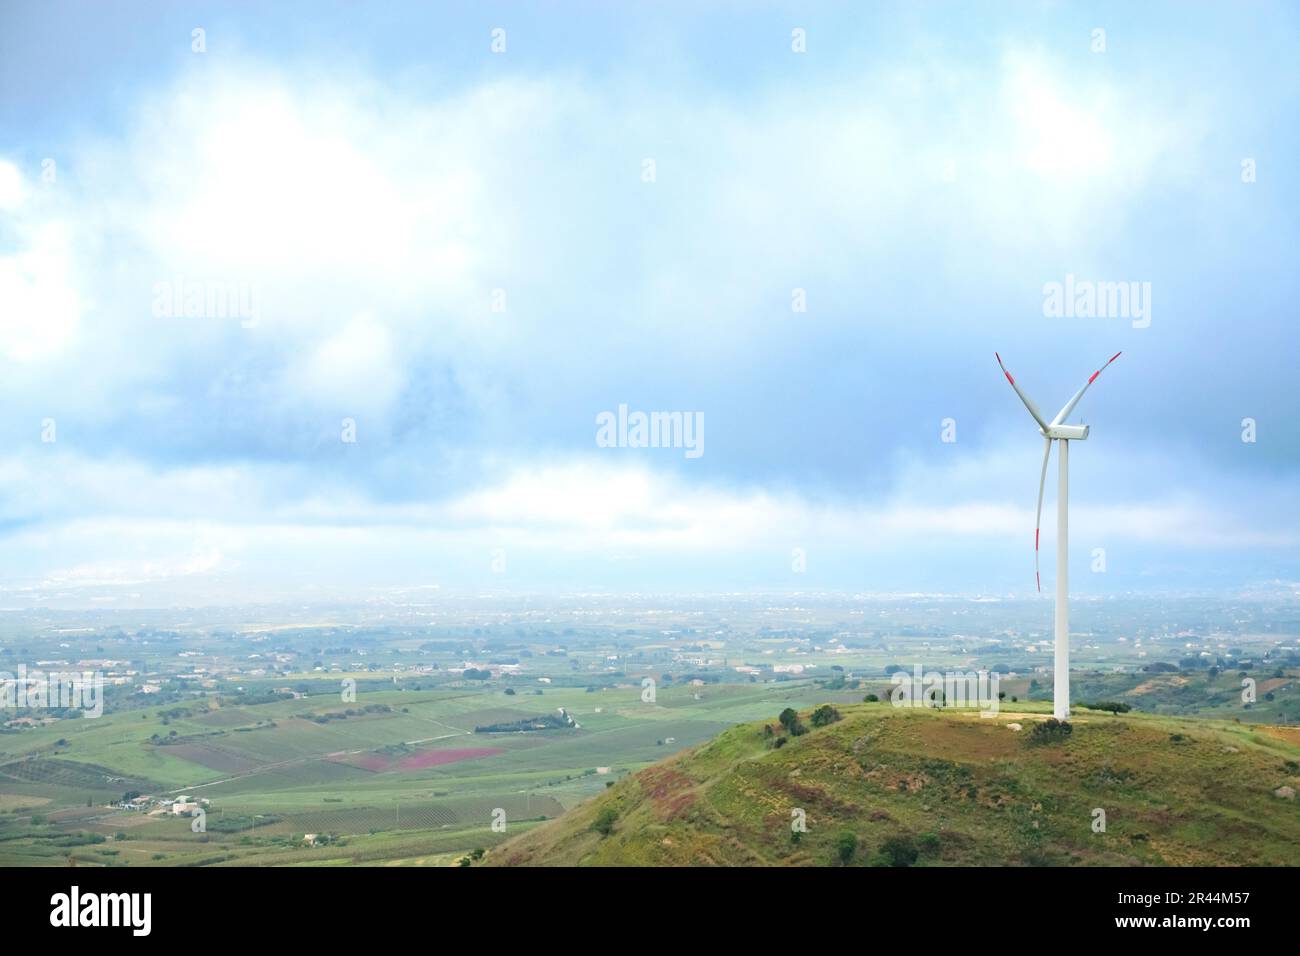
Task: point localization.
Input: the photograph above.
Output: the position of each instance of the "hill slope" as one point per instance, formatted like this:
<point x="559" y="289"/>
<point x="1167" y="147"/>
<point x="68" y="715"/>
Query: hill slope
<point x="889" y="786"/>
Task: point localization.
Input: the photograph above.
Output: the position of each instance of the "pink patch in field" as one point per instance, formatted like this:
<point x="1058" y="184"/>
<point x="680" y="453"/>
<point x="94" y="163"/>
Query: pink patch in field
<point x="436" y="758"/>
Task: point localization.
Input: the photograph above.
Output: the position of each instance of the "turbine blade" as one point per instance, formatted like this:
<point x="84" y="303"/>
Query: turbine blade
<point x="1033" y="409"/>
<point x="1069" y="406"/>
<point x="1038" y="516"/>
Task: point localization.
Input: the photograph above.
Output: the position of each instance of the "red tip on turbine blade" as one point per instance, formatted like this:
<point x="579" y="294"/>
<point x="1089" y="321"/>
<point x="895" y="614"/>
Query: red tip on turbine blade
<point x="1035" y="539"/>
<point x="1039" y="579"/>
<point x="1009" y="378"/>
<point x="1094" y="375"/>
<point x="1115" y="356"/>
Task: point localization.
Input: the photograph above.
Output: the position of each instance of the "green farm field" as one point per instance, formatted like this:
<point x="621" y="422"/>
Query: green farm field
<point x="403" y="779"/>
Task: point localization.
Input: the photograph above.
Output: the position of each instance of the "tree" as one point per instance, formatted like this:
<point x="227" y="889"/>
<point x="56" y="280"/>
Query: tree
<point x="1114" y="706"/>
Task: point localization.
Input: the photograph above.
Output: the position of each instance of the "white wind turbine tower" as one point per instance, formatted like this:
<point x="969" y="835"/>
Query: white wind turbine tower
<point x="1057" y="430"/>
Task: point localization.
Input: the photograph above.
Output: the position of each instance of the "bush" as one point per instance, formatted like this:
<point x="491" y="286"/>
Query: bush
<point x="846" y="844"/>
<point x="604" y="822"/>
<point x="824" y="716"/>
<point x="898" y="851"/>
<point x="871" y="699"/>
<point x="790" y="721"/>
<point x="1051" y="731"/>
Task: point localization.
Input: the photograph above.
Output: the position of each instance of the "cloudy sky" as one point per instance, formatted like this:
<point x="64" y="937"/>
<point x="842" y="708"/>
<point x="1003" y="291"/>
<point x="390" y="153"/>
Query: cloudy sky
<point x="460" y="256"/>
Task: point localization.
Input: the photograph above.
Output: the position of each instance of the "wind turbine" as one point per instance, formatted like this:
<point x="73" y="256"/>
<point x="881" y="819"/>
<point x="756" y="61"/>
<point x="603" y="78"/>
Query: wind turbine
<point x="1057" y="430"/>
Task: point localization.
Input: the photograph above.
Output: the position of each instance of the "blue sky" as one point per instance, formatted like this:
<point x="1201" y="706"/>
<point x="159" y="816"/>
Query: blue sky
<point x="376" y="183"/>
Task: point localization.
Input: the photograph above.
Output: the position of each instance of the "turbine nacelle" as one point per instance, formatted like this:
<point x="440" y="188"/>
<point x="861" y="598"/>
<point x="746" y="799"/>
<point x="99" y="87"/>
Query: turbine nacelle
<point x="1066" y="432"/>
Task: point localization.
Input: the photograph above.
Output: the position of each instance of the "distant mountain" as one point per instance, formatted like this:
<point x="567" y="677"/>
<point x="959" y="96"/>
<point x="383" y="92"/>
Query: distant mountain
<point x="890" y="786"/>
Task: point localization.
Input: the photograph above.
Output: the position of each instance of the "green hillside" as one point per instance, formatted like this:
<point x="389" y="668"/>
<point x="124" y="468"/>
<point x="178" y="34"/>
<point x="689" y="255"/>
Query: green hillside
<point x="887" y="786"/>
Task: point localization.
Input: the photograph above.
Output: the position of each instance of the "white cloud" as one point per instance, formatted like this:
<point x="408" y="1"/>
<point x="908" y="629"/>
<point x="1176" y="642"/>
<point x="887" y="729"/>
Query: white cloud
<point x="12" y="188"/>
<point x="354" y="371"/>
<point x="199" y="523"/>
<point x="376" y="223"/>
<point x="40" y="309"/>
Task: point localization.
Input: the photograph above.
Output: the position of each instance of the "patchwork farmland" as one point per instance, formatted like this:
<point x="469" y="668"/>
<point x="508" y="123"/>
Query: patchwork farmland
<point x="404" y="778"/>
<point x="439" y="733"/>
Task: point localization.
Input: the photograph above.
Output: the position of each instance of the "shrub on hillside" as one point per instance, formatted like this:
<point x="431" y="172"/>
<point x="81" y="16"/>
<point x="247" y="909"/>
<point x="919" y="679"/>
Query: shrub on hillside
<point x="1051" y="731"/>
<point x="898" y="850"/>
<point x="846" y="844"/>
<point x="824" y="715"/>
<point x="604" y="822"/>
<point x="789" y="719"/>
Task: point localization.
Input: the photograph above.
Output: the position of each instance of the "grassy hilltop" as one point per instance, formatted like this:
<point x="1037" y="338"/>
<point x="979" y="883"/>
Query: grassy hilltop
<point x="887" y="786"/>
